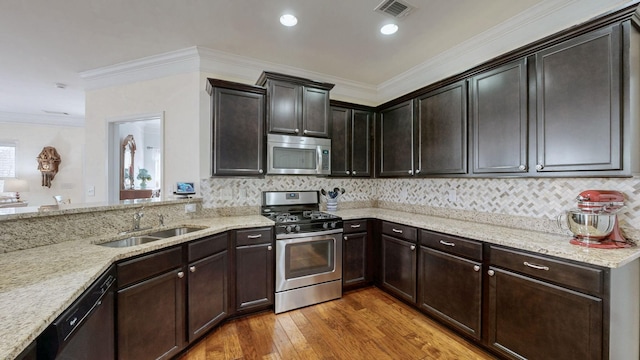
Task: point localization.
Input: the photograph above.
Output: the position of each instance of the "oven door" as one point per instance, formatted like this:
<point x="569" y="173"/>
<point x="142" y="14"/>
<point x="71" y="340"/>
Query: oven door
<point x="308" y="259"/>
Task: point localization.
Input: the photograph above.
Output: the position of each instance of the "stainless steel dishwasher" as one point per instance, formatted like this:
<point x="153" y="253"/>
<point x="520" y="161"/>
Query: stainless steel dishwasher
<point x="86" y="329"/>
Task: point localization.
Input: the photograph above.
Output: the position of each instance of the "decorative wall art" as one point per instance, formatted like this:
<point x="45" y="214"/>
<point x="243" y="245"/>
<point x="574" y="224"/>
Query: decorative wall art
<point x="48" y="162"/>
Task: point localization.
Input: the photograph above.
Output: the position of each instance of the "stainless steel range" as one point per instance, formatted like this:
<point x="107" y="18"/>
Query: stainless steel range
<point x="308" y="249"/>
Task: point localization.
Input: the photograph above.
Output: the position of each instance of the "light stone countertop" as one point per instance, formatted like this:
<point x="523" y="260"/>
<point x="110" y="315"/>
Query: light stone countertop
<point x="38" y="284"/>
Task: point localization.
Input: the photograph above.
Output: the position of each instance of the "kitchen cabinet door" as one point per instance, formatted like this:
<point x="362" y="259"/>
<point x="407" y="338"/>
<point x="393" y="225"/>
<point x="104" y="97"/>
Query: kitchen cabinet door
<point x="499" y="119"/>
<point x="285" y="107"/>
<point x="315" y="114"/>
<point x="254" y="265"/>
<point x="532" y="319"/>
<point x="351" y="141"/>
<point x="150" y="317"/>
<point x="395" y="136"/>
<point x="361" y="125"/>
<point x="441" y="123"/>
<point x="450" y="288"/>
<point x="238" y="129"/>
<point x="207" y="293"/>
<point x="579" y="103"/>
<point x="340" y="141"/>
<point x="399" y="267"/>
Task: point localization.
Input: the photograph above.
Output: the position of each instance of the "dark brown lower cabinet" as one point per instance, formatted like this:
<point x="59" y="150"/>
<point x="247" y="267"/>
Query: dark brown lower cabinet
<point x="451" y="289"/>
<point x="254" y="265"/>
<point x="150" y="318"/>
<point x="354" y="259"/>
<point x="207" y="294"/>
<point x="398" y="268"/>
<point x="533" y="319"/>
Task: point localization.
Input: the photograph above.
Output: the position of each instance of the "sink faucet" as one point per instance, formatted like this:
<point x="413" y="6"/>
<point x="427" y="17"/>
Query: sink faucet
<point x="136" y="220"/>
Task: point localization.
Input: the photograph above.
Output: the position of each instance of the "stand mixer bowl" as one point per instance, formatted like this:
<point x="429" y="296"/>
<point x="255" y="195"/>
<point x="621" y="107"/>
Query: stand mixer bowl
<point x="587" y="225"/>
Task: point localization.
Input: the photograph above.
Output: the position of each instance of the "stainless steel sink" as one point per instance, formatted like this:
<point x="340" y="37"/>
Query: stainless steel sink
<point x="155" y="236"/>
<point x="175" y="232"/>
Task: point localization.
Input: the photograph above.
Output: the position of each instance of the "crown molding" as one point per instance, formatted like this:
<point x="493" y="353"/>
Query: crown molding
<point x="226" y="65"/>
<point x="38" y="119"/>
<point x="147" y="68"/>
<point x="515" y="32"/>
<point x="500" y="39"/>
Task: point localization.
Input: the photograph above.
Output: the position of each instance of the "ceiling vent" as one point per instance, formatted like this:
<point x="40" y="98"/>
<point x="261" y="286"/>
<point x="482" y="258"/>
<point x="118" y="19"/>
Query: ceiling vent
<point x="394" y="8"/>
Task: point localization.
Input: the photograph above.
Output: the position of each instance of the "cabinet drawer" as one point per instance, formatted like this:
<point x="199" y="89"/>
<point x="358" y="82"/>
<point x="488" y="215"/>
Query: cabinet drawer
<point x="400" y="231"/>
<point x="451" y="244"/>
<point x="253" y="236"/>
<point x="578" y="277"/>
<point x="354" y="226"/>
<point x="144" y="267"/>
<point x="199" y="249"/>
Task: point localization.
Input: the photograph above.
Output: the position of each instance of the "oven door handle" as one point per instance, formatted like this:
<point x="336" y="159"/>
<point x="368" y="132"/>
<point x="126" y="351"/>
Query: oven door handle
<point x="308" y="234"/>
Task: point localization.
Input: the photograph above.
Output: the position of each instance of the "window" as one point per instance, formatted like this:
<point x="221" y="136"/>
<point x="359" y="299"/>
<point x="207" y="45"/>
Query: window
<point x="7" y="160"/>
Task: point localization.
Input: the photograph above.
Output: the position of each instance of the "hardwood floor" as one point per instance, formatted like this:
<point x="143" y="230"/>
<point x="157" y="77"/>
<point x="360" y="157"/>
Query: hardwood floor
<point x="363" y="324"/>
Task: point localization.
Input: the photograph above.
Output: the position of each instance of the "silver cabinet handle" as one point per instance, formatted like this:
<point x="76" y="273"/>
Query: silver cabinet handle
<point x="476" y="268"/>
<point x="305" y="132"/>
<point x="522" y="167"/>
<point x="354" y="172"/>
<point x="539" y="167"/>
<point x="446" y="243"/>
<point x="410" y="172"/>
<point x="181" y="274"/>
<point x="397" y="231"/>
<point x="491" y="272"/>
<point x="192" y="269"/>
<point x="347" y="172"/>
<point x="269" y="248"/>
<point x="260" y="171"/>
<point x="355" y="226"/>
<point x="537" y="267"/>
<point x="296" y="131"/>
<point x="346" y="238"/>
<point x="413" y="247"/>
<point x="254" y="236"/>
<point x="418" y="171"/>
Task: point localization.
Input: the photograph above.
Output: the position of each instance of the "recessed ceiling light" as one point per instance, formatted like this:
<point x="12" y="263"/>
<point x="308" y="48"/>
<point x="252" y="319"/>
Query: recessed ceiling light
<point x="288" y="20"/>
<point x="389" y="29"/>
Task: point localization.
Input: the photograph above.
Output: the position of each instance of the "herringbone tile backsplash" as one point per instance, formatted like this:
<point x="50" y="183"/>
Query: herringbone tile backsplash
<point x="527" y="197"/>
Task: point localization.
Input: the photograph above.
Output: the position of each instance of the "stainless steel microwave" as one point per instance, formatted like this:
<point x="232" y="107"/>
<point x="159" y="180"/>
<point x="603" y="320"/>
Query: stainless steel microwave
<point x="298" y="155"/>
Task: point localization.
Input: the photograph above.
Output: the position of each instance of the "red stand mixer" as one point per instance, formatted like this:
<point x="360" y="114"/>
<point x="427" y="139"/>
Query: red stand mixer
<point x="594" y="223"/>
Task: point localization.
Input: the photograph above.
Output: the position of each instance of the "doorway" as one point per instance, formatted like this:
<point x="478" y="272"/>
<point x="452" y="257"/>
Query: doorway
<point x="127" y="168"/>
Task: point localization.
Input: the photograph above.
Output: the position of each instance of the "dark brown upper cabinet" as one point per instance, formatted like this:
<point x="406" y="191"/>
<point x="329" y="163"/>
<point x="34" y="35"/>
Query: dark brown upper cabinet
<point x="351" y="140"/>
<point x="238" y="112"/>
<point x="296" y="106"/>
<point x="578" y="105"/>
<point x="396" y="138"/>
<point x="499" y="119"/>
<point x="441" y="146"/>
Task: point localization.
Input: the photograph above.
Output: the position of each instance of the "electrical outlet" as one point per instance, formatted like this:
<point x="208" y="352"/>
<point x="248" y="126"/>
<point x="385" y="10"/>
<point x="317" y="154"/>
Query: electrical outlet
<point x="91" y="191"/>
<point x="451" y="195"/>
<point x="190" y="208"/>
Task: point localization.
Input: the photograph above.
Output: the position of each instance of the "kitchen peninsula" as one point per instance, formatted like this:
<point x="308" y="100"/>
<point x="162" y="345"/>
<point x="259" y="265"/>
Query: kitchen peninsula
<point x="54" y="275"/>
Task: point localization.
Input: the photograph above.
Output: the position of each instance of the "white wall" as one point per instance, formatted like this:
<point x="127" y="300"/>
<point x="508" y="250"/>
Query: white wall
<point x="31" y="138"/>
<point x="177" y="96"/>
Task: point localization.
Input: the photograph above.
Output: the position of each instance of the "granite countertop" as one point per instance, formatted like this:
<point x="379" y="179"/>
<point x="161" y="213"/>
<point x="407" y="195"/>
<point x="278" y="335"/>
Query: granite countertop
<point x="38" y="284"/>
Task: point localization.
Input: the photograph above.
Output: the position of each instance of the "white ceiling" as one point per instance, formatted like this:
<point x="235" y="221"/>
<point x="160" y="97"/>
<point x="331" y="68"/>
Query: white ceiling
<point x="44" y="42"/>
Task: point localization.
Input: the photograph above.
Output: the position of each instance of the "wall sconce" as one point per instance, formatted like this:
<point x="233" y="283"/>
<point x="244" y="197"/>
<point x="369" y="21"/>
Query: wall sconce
<point x="15" y="185"/>
<point x="48" y="162"/>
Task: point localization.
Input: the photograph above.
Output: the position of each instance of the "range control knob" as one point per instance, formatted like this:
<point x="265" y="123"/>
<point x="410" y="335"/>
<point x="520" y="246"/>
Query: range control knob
<point x="333" y="225"/>
<point x="296" y="228"/>
<point x="325" y="225"/>
<point x="287" y="229"/>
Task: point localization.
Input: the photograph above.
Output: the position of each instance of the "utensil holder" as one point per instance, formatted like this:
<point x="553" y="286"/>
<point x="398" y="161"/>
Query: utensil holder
<point x="332" y="204"/>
